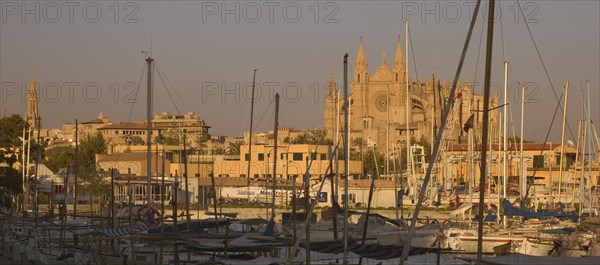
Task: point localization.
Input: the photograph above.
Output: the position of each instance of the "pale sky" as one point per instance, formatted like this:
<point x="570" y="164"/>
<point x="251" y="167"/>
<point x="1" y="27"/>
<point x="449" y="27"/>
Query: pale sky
<point x="197" y="44"/>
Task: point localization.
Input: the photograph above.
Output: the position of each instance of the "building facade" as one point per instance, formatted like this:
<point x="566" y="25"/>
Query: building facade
<point x="380" y="99"/>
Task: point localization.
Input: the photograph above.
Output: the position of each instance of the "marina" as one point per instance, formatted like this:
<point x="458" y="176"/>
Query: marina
<point x="405" y="169"/>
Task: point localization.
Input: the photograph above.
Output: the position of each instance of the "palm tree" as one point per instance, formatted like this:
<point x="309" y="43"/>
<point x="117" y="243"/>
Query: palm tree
<point x="233" y="148"/>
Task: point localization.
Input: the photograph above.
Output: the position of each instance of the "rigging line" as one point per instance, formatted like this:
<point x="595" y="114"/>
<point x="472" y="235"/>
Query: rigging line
<point x="502" y="34"/>
<point x="451" y="98"/>
<point x="477" y="60"/>
<point x="545" y="142"/>
<point x="137" y="91"/>
<point x="262" y="116"/>
<point x="168" y="92"/>
<point x="413" y="53"/>
<point x="544" y="67"/>
<point x="175" y="90"/>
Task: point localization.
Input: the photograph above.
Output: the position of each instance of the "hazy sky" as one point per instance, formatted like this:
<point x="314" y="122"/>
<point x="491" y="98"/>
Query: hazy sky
<point x="86" y="55"/>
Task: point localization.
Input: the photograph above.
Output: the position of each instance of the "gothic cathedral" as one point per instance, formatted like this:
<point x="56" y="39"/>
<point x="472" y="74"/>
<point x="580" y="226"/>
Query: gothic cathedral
<point x="381" y="98"/>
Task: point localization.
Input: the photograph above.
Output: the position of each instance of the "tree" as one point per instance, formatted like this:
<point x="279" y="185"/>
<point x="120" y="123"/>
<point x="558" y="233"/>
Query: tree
<point x="201" y="143"/>
<point x="233" y="148"/>
<point x="91" y="145"/>
<point x="11" y="181"/>
<point x="426" y="146"/>
<point x="136" y="140"/>
<point x="11" y="128"/>
<point x="91" y="181"/>
<point x="59" y="160"/>
<point x="317" y="136"/>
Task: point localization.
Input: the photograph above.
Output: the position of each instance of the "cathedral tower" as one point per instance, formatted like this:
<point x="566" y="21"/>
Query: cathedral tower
<point x="33" y="113"/>
<point x="331" y="113"/>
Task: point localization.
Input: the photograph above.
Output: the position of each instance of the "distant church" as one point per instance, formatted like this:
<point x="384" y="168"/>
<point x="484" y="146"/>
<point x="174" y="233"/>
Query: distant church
<point x="381" y="97"/>
<point x="33" y="112"/>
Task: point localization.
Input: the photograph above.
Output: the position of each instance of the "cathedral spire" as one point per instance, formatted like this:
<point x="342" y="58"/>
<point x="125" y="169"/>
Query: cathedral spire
<point x="332" y="91"/>
<point x="360" y="56"/>
<point x="399" y="58"/>
<point x="33" y="113"/>
<point x="398" y="66"/>
<point x="32" y="90"/>
<point x="361" y="68"/>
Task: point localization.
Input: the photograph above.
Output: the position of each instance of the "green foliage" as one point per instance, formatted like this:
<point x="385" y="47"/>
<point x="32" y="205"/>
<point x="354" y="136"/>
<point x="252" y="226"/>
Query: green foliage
<point x="373" y="159"/>
<point x="201" y="144"/>
<point x="11" y="180"/>
<point x="317" y="136"/>
<point x="423" y="141"/>
<point x="136" y="140"/>
<point x="91" y="182"/>
<point x="167" y="140"/>
<point x="11" y="128"/>
<point x="218" y="151"/>
<point x="233" y="148"/>
<point x="88" y="148"/>
<point x="59" y="160"/>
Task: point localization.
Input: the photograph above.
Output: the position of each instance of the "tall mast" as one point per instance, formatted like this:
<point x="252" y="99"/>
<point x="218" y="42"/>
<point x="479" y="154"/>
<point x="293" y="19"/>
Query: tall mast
<point x="27" y="169"/>
<point x="485" y="125"/>
<point x="185" y="180"/>
<point x="346" y="156"/>
<point x="274" y="178"/>
<point x="149" y="60"/>
<point x="407" y="109"/>
<point x="387" y="134"/>
<point x="250" y="137"/>
<point x="76" y="169"/>
<point x="436" y="146"/>
<point x="505" y="140"/>
<point x="589" y="140"/>
<point x="24" y="203"/>
<point x="37" y="165"/>
<point x="562" y="143"/>
<point x="583" y="150"/>
<point x="523" y="180"/>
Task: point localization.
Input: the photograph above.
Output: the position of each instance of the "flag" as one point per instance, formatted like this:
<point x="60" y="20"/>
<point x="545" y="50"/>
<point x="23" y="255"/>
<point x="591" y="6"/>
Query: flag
<point x="469" y="123"/>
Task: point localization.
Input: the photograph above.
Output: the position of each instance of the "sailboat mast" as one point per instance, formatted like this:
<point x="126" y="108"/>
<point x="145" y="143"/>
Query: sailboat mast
<point x="250" y="135"/>
<point x="407" y="109"/>
<point x="149" y="60"/>
<point x="485" y="125"/>
<point x="387" y="133"/>
<point x="24" y="203"/>
<point x="583" y="150"/>
<point x="523" y="184"/>
<point x="562" y="143"/>
<point x="589" y="140"/>
<point x="274" y="177"/>
<point x="76" y="169"/>
<point x="346" y="156"/>
<point x="505" y="140"/>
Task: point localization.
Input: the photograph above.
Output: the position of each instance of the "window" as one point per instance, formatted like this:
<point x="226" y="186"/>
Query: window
<point x="297" y="156"/>
<point x="352" y="197"/>
<point x="538" y="161"/>
<point x="313" y="156"/>
<point x="323" y="156"/>
<point x="359" y="78"/>
<point x="247" y="157"/>
<point x="261" y="157"/>
<point x="116" y="131"/>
